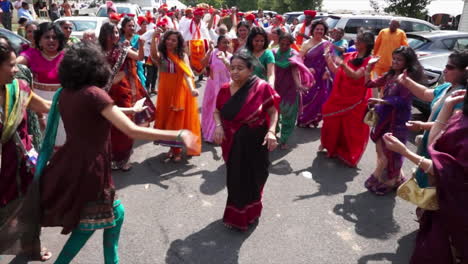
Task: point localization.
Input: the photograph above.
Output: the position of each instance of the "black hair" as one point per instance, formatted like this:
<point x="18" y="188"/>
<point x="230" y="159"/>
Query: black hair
<point x="253" y="33"/>
<point x="24" y="4"/>
<point x="63" y="22"/>
<point x="22" y="20"/>
<point x="368" y="39"/>
<point x="319" y="22"/>
<point x="460" y="60"/>
<point x="5" y="49"/>
<point x="107" y="29"/>
<point x="220" y="38"/>
<point x="278" y="31"/>
<point x="245" y="57"/>
<point x="30" y="22"/>
<point x="83" y="65"/>
<point x="412" y="64"/>
<point x="242" y="24"/>
<point x="287" y="36"/>
<point x="180" y="43"/>
<point x="124" y="22"/>
<point x="45" y="27"/>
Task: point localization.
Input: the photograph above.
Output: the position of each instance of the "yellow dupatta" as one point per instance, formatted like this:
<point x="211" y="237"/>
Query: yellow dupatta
<point x="182" y="91"/>
<point x="16" y="102"/>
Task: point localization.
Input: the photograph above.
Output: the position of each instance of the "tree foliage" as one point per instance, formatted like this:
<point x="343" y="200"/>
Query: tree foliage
<point x="375" y="5"/>
<point x="408" y="8"/>
<point x="280" y="6"/>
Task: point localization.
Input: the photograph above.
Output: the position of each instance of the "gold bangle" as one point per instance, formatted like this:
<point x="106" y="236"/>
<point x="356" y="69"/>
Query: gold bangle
<point x="420" y="162"/>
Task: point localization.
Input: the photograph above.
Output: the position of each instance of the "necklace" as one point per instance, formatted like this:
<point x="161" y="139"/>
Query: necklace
<point x="47" y="57"/>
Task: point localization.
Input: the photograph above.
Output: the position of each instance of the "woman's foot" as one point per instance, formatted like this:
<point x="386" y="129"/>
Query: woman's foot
<point x="284" y="146"/>
<point x="177" y="158"/>
<point x="169" y="157"/>
<point x="126" y="167"/>
<point x="115" y="166"/>
<point x="321" y="148"/>
<point x="370" y="182"/>
<point x="45" y="254"/>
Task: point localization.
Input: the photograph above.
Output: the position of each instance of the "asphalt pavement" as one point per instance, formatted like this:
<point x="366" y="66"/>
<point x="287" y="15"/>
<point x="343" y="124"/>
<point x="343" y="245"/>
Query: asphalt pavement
<point x="316" y="210"/>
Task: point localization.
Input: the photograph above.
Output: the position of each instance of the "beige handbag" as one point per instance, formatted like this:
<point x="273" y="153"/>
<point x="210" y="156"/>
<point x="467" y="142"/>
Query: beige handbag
<point x="371" y="118"/>
<point x="425" y="198"/>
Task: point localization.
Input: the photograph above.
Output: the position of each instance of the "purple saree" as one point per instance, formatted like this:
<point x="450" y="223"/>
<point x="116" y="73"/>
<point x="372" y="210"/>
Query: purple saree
<point x="312" y="100"/>
<point x="392" y="118"/>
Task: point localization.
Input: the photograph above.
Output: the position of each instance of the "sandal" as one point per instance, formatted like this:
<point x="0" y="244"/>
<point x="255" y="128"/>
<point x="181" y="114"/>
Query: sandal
<point x="169" y="156"/>
<point x="370" y="182"/>
<point x="114" y="166"/>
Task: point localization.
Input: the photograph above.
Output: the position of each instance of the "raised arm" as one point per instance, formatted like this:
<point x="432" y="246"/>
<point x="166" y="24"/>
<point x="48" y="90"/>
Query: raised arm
<point x="124" y="124"/>
<point x="155" y="56"/>
<point x="418" y="90"/>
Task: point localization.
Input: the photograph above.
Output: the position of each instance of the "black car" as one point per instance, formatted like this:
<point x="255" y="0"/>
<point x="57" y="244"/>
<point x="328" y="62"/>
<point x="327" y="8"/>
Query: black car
<point x="433" y="49"/>
<point x="16" y="41"/>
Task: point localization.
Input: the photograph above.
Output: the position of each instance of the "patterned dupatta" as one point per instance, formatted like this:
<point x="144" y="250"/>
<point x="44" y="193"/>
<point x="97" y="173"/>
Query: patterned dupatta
<point x="117" y="66"/>
<point x="16" y="102"/>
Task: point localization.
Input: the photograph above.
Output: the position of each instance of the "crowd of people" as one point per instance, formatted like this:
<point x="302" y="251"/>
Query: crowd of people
<point x="61" y="96"/>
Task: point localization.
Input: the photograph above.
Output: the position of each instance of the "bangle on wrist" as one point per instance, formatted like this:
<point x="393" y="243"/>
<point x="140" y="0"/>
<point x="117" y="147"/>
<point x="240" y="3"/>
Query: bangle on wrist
<point x="420" y="162"/>
<point x="179" y="135"/>
<point x="440" y="122"/>
<point x="219" y="125"/>
<point x="273" y="132"/>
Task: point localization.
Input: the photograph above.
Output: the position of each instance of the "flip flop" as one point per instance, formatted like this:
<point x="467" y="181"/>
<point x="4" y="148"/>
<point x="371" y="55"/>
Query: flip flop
<point x="45" y="254"/>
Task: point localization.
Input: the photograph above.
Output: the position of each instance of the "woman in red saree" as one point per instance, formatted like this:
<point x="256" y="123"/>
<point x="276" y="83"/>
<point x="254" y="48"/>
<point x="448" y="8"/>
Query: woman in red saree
<point x="246" y="115"/>
<point x="344" y="135"/>
<point x="443" y="233"/>
<point x="125" y="89"/>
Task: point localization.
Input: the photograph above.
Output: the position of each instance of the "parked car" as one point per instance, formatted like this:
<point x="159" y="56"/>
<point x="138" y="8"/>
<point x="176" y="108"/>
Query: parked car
<point x="290" y="16"/>
<point x="82" y="23"/>
<point x="436" y="42"/>
<point x="16" y="41"/>
<point x="352" y="23"/>
<point x="433" y="49"/>
<point x="90" y="10"/>
<point x="122" y="8"/>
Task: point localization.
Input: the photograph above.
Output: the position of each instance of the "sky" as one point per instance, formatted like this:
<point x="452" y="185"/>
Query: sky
<point x="453" y="7"/>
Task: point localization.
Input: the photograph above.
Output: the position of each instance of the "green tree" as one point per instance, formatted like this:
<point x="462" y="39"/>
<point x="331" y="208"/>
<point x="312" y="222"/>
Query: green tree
<point x="408" y="8"/>
<point x="375" y="5"/>
<point x="299" y="5"/>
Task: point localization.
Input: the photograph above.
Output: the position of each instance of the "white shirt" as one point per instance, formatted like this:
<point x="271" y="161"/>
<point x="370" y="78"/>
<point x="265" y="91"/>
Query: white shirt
<point x="297" y="30"/>
<point x="147" y="36"/>
<point x="187" y="35"/>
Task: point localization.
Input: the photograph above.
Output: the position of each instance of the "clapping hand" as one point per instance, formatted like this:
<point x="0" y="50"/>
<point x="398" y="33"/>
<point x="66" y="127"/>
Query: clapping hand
<point x="394" y="144"/>
<point x="455" y="98"/>
<point x="415" y="125"/>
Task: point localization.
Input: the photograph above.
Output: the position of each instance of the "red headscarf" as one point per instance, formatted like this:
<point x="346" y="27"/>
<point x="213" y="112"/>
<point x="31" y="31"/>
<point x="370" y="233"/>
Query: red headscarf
<point x="142" y="19"/>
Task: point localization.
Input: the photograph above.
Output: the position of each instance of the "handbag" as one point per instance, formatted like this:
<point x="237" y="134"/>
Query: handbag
<point x="146" y="116"/>
<point x="425" y="198"/>
<point x="371" y="118"/>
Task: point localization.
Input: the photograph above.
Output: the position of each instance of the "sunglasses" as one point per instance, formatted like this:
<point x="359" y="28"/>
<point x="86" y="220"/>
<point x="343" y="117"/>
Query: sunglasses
<point x="450" y="67"/>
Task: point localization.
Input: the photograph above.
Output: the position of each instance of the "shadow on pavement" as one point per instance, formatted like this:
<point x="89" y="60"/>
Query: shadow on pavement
<point x="213" y="244"/>
<point x="331" y="175"/>
<point x="153" y="170"/>
<point x="402" y="254"/>
<point x="372" y="215"/>
<point x="300" y="136"/>
<point x="214" y="181"/>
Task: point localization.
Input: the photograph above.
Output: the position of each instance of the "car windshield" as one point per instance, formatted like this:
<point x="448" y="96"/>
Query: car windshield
<point x="15" y="40"/>
<point x="332" y="21"/>
<point x="121" y="10"/>
<point x="417" y="42"/>
<point x="84" y="25"/>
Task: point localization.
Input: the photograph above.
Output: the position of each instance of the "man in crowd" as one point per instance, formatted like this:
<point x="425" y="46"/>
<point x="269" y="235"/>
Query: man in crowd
<point x="197" y="36"/>
<point x="340" y="44"/>
<point x="302" y="33"/>
<point x="386" y="42"/>
<point x="24" y="11"/>
<point x="5" y="13"/>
